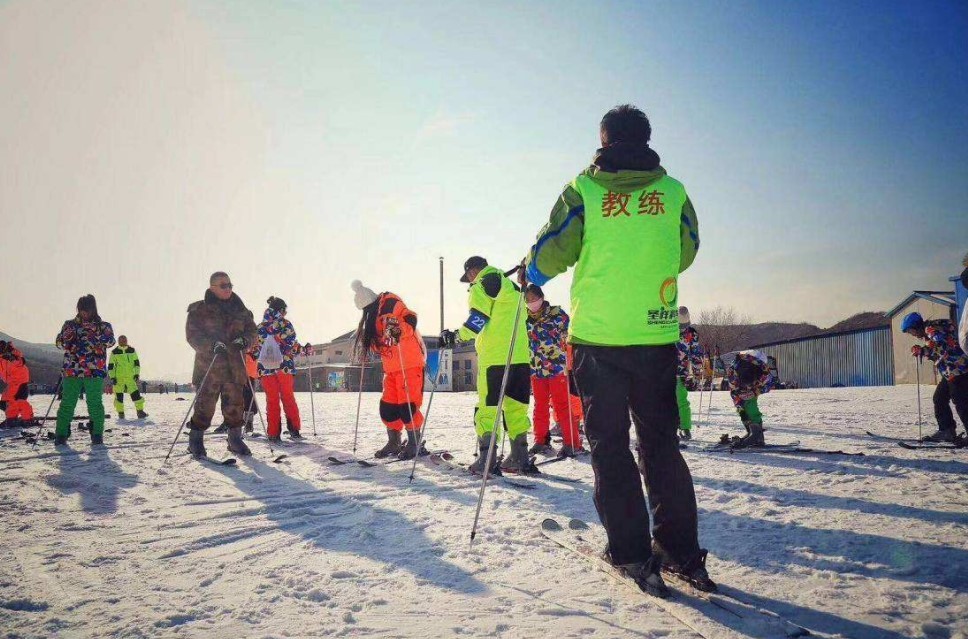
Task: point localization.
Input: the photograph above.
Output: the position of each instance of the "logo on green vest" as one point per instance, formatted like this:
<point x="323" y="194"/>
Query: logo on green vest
<point x="669" y="292"/>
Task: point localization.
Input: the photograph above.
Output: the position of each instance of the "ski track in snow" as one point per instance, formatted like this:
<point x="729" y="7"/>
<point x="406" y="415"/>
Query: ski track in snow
<point x="111" y="543"/>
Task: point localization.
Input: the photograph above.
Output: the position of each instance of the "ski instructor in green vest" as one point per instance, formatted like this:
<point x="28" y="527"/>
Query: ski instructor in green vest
<point x="629" y="230"/>
<point x="493" y="300"/>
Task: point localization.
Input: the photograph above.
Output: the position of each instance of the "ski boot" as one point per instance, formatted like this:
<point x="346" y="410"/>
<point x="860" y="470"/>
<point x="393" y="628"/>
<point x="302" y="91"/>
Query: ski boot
<point x="61" y="440"/>
<point x="220" y="430"/>
<point x="477" y="468"/>
<point x="120" y="414"/>
<point x="685" y="435"/>
<point x="97" y="439"/>
<point x="409" y="451"/>
<point x="393" y="446"/>
<point x="646" y="574"/>
<point x="754" y="436"/>
<point x="293" y="433"/>
<point x="692" y="572"/>
<point x="941" y="436"/>
<point x="236" y="445"/>
<point x="519" y="462"/>
<point x="142" y="414"/>
<point x="274" y="440"/>
<point x="196" y="443"/>
<point x="571" y="451"/>
<point x="542" y="448"/>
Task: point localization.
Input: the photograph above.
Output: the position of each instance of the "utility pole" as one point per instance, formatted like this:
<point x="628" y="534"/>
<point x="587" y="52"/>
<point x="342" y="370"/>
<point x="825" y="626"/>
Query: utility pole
<point x="441" y="295"/>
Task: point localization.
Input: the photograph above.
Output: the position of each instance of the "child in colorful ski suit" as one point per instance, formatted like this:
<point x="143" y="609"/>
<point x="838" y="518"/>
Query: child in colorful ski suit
<point x="690" y="367"/>
<point x="943" y="349"/>
<point x="749" y="377"/>
<point x="277" y="374"/>
<point x="547" y="338"/>
<point x="84" y="340"/>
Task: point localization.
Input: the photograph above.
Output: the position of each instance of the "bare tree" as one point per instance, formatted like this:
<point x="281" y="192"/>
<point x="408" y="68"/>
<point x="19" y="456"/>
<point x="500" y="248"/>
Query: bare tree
<point x="722" y="328"/>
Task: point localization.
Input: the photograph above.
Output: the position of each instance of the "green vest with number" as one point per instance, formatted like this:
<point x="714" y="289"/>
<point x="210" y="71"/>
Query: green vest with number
<point x="625" y="289"/>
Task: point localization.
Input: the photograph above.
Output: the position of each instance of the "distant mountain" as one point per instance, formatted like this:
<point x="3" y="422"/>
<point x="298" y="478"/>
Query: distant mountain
<point x="735" y="337"/>
<point x="867" y="319"/>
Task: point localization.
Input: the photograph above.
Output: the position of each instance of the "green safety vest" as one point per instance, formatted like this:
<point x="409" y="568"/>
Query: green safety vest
<point x="494" y="339"/>
<point x="625" y="289"/>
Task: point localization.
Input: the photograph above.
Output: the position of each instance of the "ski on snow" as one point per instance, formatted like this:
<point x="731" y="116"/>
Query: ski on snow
<point x="448" y="460"/>
<point x="913" y="443"/>
<point x="708" y="614"/>
<point x="228" y="461"/>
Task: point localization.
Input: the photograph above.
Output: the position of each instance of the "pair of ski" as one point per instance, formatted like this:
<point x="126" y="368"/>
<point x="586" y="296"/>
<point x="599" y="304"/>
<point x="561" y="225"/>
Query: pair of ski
<point x="385" y="461"/>
<point x="708" y="614"/>
<point x="448" y="460"/>
<point x="914" y="443"/>
<point x="791" y="448"/>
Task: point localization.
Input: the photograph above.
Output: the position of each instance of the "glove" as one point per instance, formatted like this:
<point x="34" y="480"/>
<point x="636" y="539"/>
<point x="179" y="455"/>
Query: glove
<point x="448" y="339"/>
<point x="523" y="273"/>
<point x="219" y="347"/>
<point x="240" y="342"/>
<point x="917" y="351"/>
<point x="3" y="405"/>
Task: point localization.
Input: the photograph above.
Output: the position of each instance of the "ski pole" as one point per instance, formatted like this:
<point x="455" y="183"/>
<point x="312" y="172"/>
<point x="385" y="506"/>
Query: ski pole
<point x="43" y="424"/>
<point x="190" y="407"/>
<point x="918" y="374"/>
<point x="406" y="387"/>
<point x="701" y="381"/>
<point x="497" y="418"/>
<point x="257" y="409"/>
<point x="359" y="400"/>
<point x="571" y="422"/>
<point x="423" y="431"/>
<point x="312" y="402"/>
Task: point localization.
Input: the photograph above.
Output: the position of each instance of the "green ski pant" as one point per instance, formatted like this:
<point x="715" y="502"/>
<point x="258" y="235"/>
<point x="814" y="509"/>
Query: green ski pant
<point x="517" y="396"/>
<point x="750" y="412"/>
<point x="130" y="387"/>
<point x="685" y="411"/>
<point x="71" y="387"/>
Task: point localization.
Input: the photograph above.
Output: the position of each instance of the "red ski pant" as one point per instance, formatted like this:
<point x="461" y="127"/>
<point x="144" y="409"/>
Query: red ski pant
<point x="548" y="392"/>
<point x="16" y="400"/>
<point x="278" y="386"/>
<point x="394" y="409"/>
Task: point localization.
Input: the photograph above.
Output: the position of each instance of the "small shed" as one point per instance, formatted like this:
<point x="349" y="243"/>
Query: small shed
<point x="931" y="305"/>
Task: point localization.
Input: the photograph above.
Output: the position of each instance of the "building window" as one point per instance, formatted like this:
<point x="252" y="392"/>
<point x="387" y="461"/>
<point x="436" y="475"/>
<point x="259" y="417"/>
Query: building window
<point x="467" y="364"/>
<point x="339" y="352"/>
<point x="468" y="379"/>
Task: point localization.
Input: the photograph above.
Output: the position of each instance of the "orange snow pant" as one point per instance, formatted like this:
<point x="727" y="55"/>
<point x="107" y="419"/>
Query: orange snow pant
<point x="394" y="409"/>
<point x="15" y="400"/>
<point x="548" y="392"/>
<point x="279" y="386"/>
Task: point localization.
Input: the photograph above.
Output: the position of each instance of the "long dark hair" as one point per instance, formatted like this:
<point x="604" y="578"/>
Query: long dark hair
<point x="366" y="337"/>
<point x="89" y="304"/>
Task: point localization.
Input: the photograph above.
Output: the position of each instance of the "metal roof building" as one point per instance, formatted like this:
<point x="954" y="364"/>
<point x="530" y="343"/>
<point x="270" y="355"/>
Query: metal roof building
<point x="862" y="357"/>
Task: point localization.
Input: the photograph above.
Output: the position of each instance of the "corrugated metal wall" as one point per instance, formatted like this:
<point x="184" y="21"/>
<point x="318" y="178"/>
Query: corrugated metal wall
<point x="859" y="358"/>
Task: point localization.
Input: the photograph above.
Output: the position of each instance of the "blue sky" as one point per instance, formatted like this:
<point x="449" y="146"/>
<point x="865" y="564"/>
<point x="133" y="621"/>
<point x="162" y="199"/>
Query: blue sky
<point x="303" y="145"/>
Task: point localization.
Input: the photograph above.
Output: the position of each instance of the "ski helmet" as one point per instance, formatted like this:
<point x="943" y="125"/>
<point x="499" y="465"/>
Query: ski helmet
<point x="911" y="320"/>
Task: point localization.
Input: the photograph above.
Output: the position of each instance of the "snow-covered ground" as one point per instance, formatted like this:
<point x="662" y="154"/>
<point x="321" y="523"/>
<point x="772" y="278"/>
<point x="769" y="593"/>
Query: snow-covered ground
<point x="111" y="543"/>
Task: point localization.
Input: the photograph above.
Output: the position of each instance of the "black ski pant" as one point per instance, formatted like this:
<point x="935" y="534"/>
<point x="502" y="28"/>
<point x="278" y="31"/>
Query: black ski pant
<point x="951" y="391"/>
<point x="612" y="381"/>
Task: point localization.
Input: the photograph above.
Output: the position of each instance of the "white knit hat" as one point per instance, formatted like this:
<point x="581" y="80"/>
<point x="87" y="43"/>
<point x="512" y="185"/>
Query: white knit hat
<point x="364" y="296"/>
<point x="684" y="315"/>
